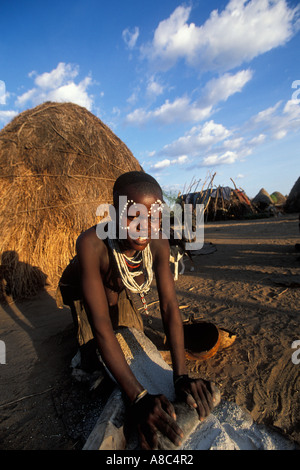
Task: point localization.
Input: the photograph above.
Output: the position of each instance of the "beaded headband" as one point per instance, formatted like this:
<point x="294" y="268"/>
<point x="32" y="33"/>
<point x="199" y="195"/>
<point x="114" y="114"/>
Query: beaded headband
<point x="157" y="206"/>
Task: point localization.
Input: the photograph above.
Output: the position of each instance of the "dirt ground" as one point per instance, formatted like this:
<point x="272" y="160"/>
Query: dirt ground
<point x="250" y="285"/>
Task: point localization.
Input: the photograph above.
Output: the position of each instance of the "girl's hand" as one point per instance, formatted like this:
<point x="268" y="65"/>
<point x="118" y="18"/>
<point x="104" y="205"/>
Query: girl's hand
<point x="155" y="413"/>
<point x="199" y="394"/>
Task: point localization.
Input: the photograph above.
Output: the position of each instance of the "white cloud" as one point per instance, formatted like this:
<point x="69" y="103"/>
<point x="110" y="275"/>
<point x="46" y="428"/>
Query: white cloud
<point x="162" y="164"/>
<point x="2" y="92"/>
<point x="258" y="139"/>
<point x="182" y="109"/>
<point x="57" y="77"/>
<point x="212" y="144"/>
<point x="181" y="159"/>
<point x="58" y="85"/>
<point x="233" y="143"/>
<point x="198" y="139"/>
<point x="227" y="158"/>
<point x="6" y="116"/>
<point x="221" y="88"/>
<point x="266" y="114"/>
<point x="292" y="109"/>
<point x="27" y="96"/>
<point x="130" y="37"/>
<point x="138" y="116"/>
<point x="133" y="98"/>
<point x="278" y="120"/>
<point x="280" y="134"/>
<point x="73" y="93"/>
<point x="166" y="162"/>
<point x="154" y="88"/>
<point x="242" y="31"/>
<point x="172" y="38"/>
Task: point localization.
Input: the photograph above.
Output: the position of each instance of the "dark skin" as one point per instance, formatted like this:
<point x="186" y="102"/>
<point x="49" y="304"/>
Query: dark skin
<point x="157" y="412"/>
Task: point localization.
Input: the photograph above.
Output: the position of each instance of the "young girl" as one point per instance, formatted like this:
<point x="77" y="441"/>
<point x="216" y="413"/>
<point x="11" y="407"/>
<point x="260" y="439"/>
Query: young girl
<point x="112" y="271"/>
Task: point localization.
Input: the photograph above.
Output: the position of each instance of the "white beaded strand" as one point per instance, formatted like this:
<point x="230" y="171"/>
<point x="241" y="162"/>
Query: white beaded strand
<point x="130" y="201"/>
<point x="127" y="276"/>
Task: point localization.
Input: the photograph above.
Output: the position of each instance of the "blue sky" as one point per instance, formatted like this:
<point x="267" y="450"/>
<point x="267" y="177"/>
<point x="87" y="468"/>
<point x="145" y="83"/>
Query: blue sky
<point x="192" y="88"/>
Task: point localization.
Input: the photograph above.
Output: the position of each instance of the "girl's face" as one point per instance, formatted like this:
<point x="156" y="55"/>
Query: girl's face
<point x="140" y="217"/>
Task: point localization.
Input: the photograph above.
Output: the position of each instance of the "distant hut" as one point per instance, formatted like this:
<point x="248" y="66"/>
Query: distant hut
<point x="262" y="200"/>
<point x="221" y="203"/>
<point x="293" y="200"/>
<point x="278" y="199"/>
<point x="58" y="162"/>
<point x="227" y="203"/>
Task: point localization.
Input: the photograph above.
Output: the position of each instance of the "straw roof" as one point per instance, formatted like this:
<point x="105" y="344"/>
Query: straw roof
<point x="262" y="197"/>
<point x="278" y="198"/>
<point x="293" y="200"/>
<point x="58" y="162"/>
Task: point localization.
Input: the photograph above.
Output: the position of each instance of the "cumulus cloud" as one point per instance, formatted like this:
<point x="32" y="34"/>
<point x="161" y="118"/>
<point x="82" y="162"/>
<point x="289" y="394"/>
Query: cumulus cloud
<point x="162" y="164"/>
<point x="226" y="158"/>
<point x="228" y="38"/>
<point x="57" y="77"/>
<point x="130" y="37"/>
<point x="58" y="85"/>
<point x="182" y="109"/>
<point x="221" y="88"/>
<point x="166" y="162"/>
<point x="212" y="144"/>
<point x="6" y="116"/>
<point x="197" y="140"/>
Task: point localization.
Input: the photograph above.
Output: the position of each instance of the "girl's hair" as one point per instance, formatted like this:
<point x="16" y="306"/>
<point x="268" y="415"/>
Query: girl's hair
<point x="141" y="181"/>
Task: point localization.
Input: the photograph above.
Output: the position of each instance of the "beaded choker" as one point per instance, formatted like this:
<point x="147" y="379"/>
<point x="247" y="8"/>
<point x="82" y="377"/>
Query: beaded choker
<point x="133" y="262"/>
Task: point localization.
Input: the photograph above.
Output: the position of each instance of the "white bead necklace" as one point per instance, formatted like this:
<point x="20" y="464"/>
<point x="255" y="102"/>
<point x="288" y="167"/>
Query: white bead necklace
<point x="128" y="277"/>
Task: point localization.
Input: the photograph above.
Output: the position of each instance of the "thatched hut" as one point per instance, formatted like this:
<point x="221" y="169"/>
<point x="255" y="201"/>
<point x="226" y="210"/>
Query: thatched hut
<point x="278" y="198"/>
<point x="58" y="162"/>
<point x="262" y="200"/>
<point x="293" y="200"/>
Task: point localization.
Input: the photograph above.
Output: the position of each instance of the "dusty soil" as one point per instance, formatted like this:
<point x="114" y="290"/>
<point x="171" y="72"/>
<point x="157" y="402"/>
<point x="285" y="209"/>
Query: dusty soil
<point x="250" y="285"/>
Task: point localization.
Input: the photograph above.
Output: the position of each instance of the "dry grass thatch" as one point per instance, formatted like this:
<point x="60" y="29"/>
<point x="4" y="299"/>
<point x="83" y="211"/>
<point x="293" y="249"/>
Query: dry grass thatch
<point x="278" y="198"/>
<point x="293" y="200"/>
<point x="262" y="198"/>
<point x="58" y="162"/>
